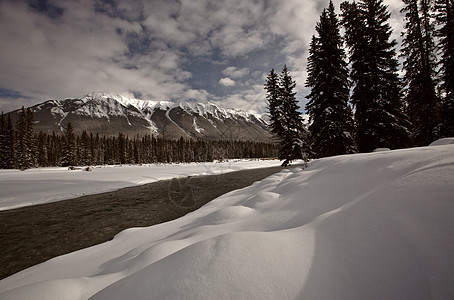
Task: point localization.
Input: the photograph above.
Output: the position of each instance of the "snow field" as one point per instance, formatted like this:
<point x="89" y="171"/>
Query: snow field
<point x="377" y="225"/>
<point x="43" y="185"/>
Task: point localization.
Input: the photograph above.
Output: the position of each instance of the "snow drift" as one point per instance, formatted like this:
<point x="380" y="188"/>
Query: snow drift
<point x="362" y="226"/>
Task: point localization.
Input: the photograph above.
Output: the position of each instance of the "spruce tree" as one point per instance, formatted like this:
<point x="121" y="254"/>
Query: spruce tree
<point x="10" y="162"/>
<point x="31" y="140"/>
<point x="43" y="149"/>
<point x="273" y="95"/>
<point x="3" y="142"/>
<point x="69" y="157"/>
<point x="21" y="145"/>
<point x="445" y="20"/>
<point x="331" y="118"/>
<point x="85" y="153"/>
<point x="294" y="136"/>
<point x="419" y="66"/>
<point x="376" y="94"/>
<point x="285" y="120"/>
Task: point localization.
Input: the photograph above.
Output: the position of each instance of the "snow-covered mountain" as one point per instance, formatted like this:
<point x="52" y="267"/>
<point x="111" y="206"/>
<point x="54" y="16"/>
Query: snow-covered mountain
<point x="109" y="114"/>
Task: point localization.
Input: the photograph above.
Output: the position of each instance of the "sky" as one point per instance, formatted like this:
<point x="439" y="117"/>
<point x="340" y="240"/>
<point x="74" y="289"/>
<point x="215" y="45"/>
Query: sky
<point x="186" y="50"/>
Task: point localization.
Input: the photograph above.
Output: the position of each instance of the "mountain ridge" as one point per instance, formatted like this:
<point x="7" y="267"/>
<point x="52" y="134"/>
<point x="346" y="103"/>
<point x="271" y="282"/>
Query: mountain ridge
<point x="108" y="114"/>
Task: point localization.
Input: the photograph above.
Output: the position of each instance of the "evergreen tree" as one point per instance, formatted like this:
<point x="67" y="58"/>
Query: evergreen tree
<point x="85" y="151"/>
<point x="10" y="162"/>
<point x="376" y="94"/>
<point x="285" y="121"/>
<point x="331" y="118"/>
<point x="3" y="142"/>
<point x="69" y="157"/>
<point x="22" y="157"/>
<point x="419" y="66"/>
<point x="445" y="21"/>
<point x="273" y="95"/>
<point x="43" y="157"/>
<point x="31" y="140"/>
<point x="294" y="136"/>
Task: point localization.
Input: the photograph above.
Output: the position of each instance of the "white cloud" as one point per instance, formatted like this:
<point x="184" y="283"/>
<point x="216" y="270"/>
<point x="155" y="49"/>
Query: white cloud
<point x="235" y="72"/>
<point x="80" y="53"/>
<point x="153" y="48"/>
<point x="226" y="81"/>
<point x="198" y="95"/>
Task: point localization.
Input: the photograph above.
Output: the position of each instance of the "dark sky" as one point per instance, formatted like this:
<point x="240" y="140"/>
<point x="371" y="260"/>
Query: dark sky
<point x="196" y="50"/>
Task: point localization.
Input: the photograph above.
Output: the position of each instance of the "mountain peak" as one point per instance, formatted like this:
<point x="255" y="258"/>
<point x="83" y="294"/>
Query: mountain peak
<point x="110" y="113"/>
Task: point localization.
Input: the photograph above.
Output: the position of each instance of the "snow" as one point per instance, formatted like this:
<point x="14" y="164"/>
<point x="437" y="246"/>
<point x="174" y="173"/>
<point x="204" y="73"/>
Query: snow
<point x="44" y="185"/>
<point x="445" y="141"/>
<point x="381" y="149"/>
<point x="196" y="127"/>
<point x="115" y="101"/>
<point x="364" y="226"/>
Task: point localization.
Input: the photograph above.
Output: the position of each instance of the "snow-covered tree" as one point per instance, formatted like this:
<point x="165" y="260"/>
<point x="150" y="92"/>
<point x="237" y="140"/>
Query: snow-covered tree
<point x="376" y="94"/>
<point x="331" y="119"/>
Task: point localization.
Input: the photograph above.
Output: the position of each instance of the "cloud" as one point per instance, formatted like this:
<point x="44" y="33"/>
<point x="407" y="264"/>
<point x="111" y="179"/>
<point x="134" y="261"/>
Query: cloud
<point x="160" y="49"/>
<point x="226" y="81"/>
<point x="235" y="72"/>
<point x="198" y="95"/>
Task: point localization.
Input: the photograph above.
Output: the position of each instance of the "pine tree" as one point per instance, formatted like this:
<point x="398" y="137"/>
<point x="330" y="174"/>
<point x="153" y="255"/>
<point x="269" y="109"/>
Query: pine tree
<point x="31" y="140"/>
<point x="285" y="120"/>
<point x="10" y="162"/>
<point x="445" y="21"/>
<point x="43" y="148"/>
<point x="331" y="118"/>
<point x="419" y="66"/>
<point x="294" y="136"/>
<point x="122" y="148"/>
<point x="85" y="152"/>
<point x="4" y="143"/>
<point x="376" y="94"/>
<point x="69" y="157"/>
<point x="273" y="95"/>
<point x="23" y="161"/>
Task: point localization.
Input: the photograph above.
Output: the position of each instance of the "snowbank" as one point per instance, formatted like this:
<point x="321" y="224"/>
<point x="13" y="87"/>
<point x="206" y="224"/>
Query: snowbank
<point x="445" y="141"/>
<point x="43" y="185"/>
<point x="365" y="226"/>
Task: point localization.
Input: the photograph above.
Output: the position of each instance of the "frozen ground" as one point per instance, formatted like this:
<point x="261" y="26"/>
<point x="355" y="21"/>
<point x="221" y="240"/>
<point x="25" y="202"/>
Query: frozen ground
<point x="43" y="185"/>
<point x="364" y="226"/>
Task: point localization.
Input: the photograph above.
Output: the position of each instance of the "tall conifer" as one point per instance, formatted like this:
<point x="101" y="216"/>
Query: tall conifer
<point x="294" y="137"/>
<point x="69" y="157"/>
<point x="286" y="121"/>
<point x="273" y="95"/>
<point x="331" y="118"/>
<point x="445" y="20"/>
<point x="376" y="93"/>
<point x="21" y="145"/>
<point x="419" y="66"/>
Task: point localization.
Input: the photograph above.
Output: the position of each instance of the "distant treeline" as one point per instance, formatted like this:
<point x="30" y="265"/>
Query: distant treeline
<point x="22" y="148"/>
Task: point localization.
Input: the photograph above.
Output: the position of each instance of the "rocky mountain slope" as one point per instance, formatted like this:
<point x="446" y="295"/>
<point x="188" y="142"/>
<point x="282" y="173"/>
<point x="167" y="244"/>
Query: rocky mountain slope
<point x="109" y="114"/>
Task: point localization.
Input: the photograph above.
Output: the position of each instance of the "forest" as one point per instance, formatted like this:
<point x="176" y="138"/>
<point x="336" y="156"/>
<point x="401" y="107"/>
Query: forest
<point x="364" y="94"/>
<point x="22" y="148"/>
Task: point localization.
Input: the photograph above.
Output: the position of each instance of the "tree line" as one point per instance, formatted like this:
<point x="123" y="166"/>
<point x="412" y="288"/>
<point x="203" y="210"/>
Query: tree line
<point x="22" y="148"/>
<point x="357" y="101"/>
